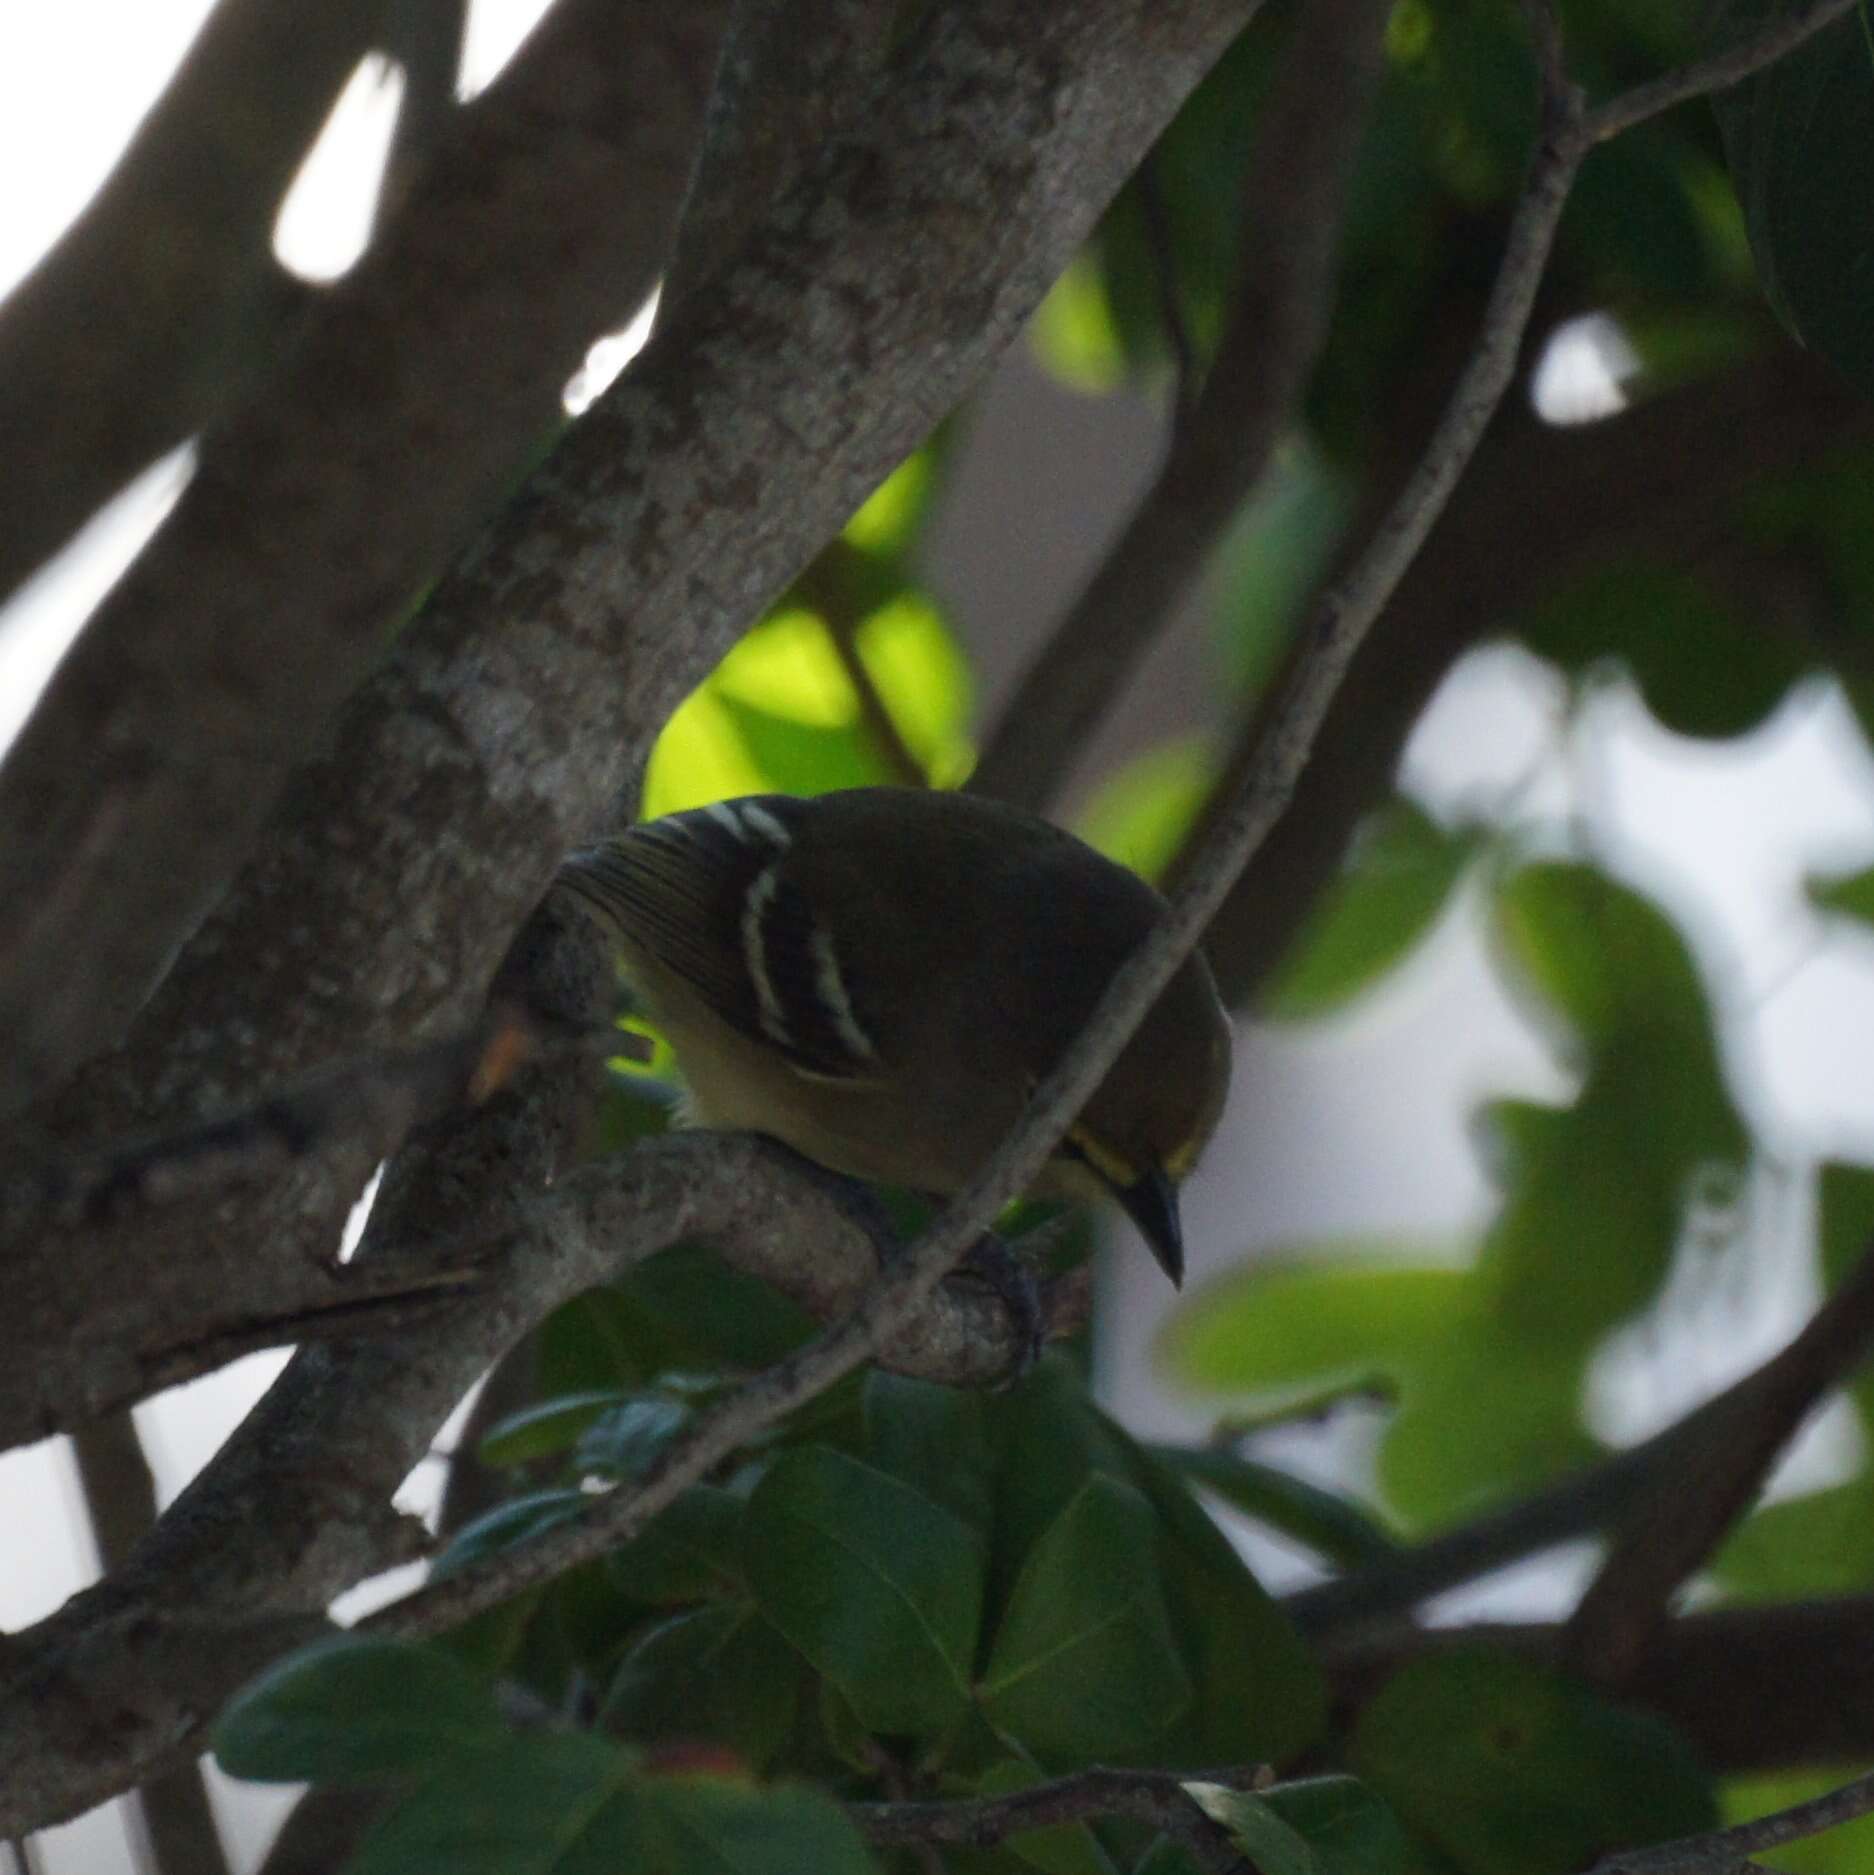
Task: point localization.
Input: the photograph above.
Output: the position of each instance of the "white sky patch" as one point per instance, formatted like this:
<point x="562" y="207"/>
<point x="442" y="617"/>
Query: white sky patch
<point x="497" y="29"/>
<point x="324" y="223"/>
<point x="610" y="355"/>
<point x="1584" y="368"/>
<point x="41" y="622"/>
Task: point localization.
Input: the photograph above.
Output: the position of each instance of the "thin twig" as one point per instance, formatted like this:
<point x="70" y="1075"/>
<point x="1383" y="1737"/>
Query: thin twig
<point x="1156" y="219"/>
<point x="1158" y="1798"/>
<point x="1717" y="73"/>
<point x="1723" y="1851"/>
<point x="1345" y="618"/>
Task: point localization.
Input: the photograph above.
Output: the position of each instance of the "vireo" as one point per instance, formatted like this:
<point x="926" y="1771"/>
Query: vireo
<point x="879" y="977"/>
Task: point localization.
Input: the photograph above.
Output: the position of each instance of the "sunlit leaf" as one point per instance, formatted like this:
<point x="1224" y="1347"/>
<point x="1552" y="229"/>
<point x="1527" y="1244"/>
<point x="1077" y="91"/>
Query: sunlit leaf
<point x="1142" y="816"/>
<point x="1073" y="335"/>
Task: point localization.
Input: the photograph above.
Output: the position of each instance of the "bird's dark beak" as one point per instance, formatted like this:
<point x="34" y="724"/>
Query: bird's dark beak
<point x="1152" y="1203"/>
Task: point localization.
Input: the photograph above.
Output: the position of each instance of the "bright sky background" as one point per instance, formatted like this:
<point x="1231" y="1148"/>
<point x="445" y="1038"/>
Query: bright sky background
<point x="1730" y="834"/>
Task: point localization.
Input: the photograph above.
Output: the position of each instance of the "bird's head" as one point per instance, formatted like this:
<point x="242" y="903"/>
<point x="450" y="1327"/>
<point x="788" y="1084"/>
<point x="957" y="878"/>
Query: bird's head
<point x="1152" y="1116"/>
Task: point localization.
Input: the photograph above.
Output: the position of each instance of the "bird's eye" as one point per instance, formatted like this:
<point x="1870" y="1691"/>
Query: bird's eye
<point x="1109" y="1165"/>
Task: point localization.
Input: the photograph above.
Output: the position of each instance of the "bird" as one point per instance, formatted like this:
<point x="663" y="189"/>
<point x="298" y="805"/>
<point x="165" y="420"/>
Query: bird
<point x="879" y="978"/>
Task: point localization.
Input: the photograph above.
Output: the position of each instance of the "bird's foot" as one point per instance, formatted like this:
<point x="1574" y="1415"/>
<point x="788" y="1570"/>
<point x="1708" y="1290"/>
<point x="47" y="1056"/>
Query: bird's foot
<point x="990" y="1260"/>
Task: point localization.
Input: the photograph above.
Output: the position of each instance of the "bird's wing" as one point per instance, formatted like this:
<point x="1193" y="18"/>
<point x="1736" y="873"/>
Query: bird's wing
<point x="712" y="897"/>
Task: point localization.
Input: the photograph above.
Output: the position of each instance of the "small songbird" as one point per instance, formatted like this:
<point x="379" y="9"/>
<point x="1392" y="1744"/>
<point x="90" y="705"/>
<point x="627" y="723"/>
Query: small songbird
<point x="879" y="977"/>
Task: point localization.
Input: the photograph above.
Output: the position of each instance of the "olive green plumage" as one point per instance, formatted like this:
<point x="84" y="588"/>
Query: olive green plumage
<point x="879" y="977"/>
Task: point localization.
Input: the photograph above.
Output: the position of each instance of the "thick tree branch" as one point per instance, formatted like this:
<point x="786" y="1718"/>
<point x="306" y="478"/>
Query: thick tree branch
<point x="160" y="302"/>
<point x="1221" y="445"/>
<point x="514" y="709"/>
<point x="318" y="511"/>
<point x="793" y="71"/>
<point x="1716" y="1479"/>
<point x="1768" y="1688"/>
<point x="1689" y="1481"/>
<point x="1157" y="1798"/>
<point x="120" y="1503"/>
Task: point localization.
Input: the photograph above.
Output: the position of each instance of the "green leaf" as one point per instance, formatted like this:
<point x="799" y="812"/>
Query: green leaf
<point x="1348" y="1827"/>
<point x="1072" y="332"/>
<point x="1143" y="814"/>
<point x="1084" y="1662"/>
<point x="1273" y="558"/>
<point x="1290" y="1328"/>
<point x="1597" y="1193"/>
<point x="691" y="1552"/>
<point x="1316" y="1826"/>
<point x="1258" y="1695"/>
<point x="538" y="1804"/>
<point x="1849" y="894"/>
<point x="803" y="758"/>
<point x="1797" y="136"/>
<point x="1275" y="1847"/>
<point x="707" y="1314"/>
<point x="623" y="1441"/>
<point x="888" y="520"/>
<point x="1511" y="1769"/>
<point x="717" y="1826"/>
<point x="598" y="1342"/>
<point x="1400" y="876"/>
<point x="879" y="1587"/>
<point x="933" y="1438"/>
<point x="508" y="1525"/>
<point x="1333" y="1526"/>
<point x="924" y="680"/>
<point x="546" y="1427"/>
<point x="1706" y="667"/>
<point x="1487" y="1415"/>
<point x="354" y="1710"/>
<point x="719" y="1673"/>
<point x="1604" y="957"/>
<point x="1803" y="1547"/>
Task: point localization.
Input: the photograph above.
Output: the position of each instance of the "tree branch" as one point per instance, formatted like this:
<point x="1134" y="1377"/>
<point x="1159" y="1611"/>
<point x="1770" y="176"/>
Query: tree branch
<point x="159" y="304"/>
<point x="1290" y="239"/>
<point x="515" y="707"/>
<point x="1752" y="1689"/>
<point x="318" y="511"/>
<point x="1715" y="1479"/>
<point x="1728" y="1851"/>
<point x="1699" y="1472"/>
<point x="1157" y="1798"/>
<point x="120" y="1502"/>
